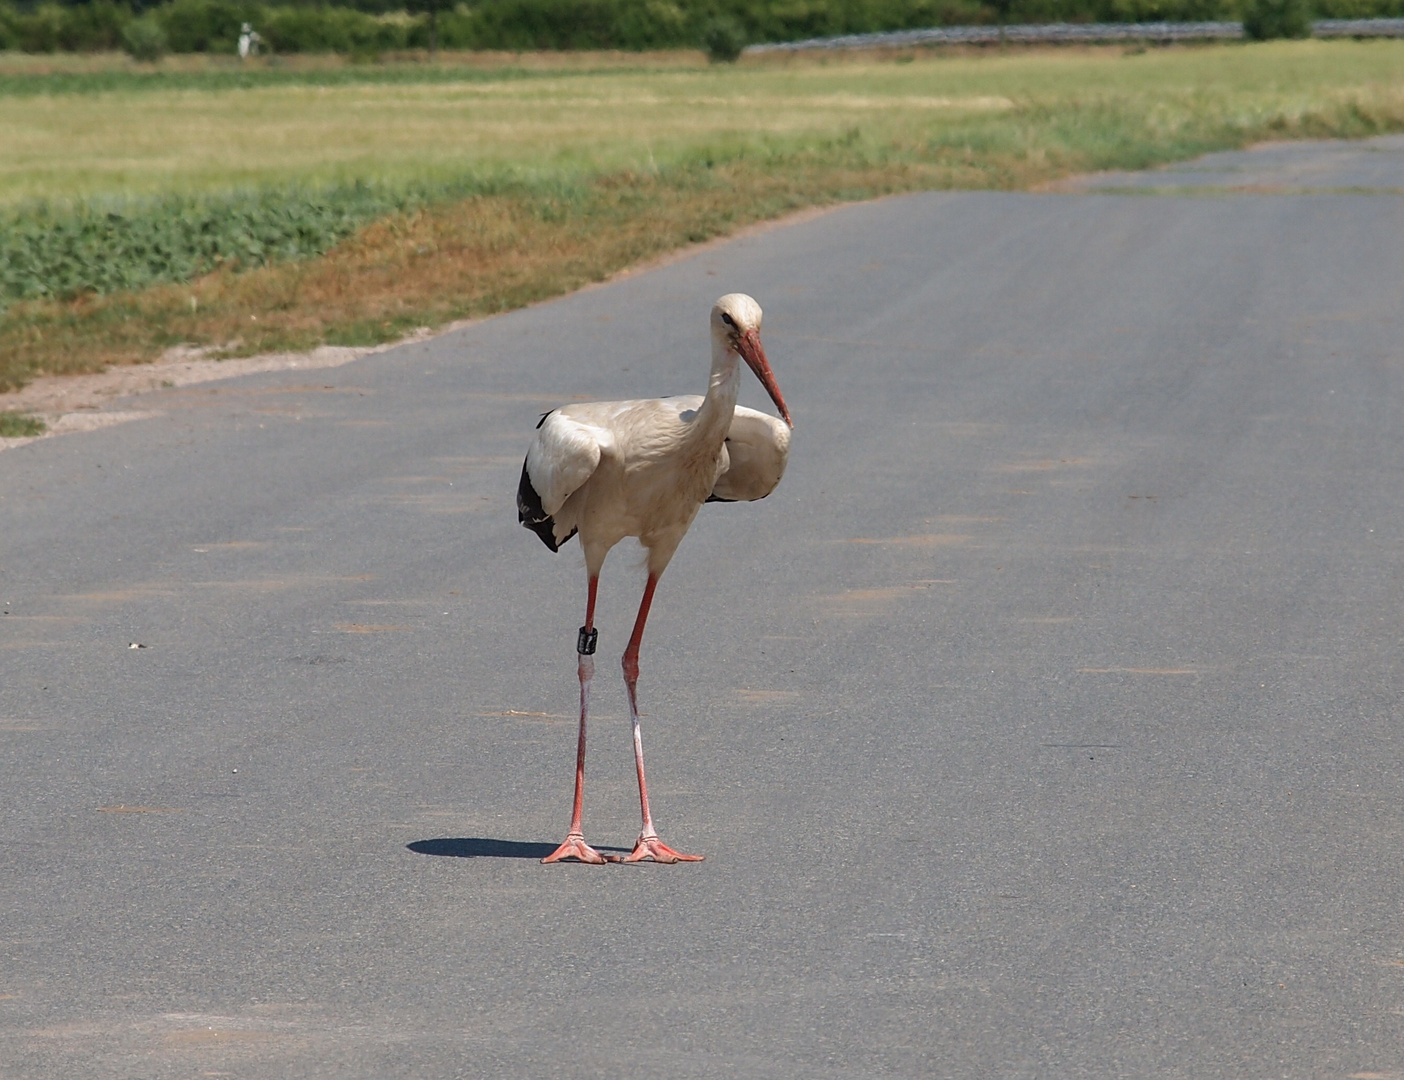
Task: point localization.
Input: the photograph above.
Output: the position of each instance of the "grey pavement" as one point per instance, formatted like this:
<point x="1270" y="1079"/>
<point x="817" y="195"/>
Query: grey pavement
<point x="1374" y="167"/>
<point x="1045" y="722"/>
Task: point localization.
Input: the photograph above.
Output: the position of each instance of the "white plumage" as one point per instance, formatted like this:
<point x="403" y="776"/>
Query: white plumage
<point x="652" y="438"/>
<point x="611" y="469"/>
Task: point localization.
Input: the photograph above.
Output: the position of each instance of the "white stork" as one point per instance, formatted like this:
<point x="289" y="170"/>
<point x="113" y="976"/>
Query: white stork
<point x="611" y="469"/>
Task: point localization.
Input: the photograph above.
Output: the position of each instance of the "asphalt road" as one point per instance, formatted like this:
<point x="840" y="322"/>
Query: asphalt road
<point x="1044" y="723"/>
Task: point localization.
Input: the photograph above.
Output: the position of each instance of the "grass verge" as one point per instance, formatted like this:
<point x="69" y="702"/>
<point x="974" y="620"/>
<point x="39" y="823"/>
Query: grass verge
<point x="546" y="233"/>
<point x="18" y="425"/>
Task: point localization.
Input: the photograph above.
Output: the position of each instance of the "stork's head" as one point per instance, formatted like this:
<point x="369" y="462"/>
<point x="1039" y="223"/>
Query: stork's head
<point x="736" y="320"/>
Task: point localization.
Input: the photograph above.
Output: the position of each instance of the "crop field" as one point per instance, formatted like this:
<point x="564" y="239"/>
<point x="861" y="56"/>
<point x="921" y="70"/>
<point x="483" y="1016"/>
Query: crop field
<point x="272" y="207"/>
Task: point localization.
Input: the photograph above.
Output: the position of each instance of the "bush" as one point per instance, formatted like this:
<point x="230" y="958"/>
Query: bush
<point x="143" y="39"/>
<point x="94" y="26"/>
<point x="41" y="30"/>
<point x="723" y="41"/>
<point x="434" y="9"/>
<point x="72" y="28"/>
<point x="1266" y="19"/>
<point x="569" y="24"/>
<point x="340" y="30"/>
<point x="196" y="26"/>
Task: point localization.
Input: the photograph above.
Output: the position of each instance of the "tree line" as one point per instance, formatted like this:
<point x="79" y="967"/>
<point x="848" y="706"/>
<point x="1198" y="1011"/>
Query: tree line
<point x="372" y="27"/>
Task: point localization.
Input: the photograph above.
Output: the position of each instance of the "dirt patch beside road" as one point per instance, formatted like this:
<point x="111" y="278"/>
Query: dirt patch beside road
<point x="69" y="403"/>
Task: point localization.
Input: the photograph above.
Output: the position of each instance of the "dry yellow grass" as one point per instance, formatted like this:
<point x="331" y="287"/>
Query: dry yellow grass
<point x="149" y="142"/>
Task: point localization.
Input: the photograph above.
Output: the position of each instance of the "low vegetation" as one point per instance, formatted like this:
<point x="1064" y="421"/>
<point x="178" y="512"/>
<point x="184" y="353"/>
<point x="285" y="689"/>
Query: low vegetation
<point x="481" y="194"/>
<point x="18" y="425"/>
<point x="116" y="245"/>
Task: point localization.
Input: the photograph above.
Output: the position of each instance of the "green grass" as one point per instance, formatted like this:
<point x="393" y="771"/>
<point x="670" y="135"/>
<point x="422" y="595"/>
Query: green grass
<point x="379" y="204"/>
<point x="31" y="74"/>
<point x="18" y="425"/>
<point x="219" y="79"/>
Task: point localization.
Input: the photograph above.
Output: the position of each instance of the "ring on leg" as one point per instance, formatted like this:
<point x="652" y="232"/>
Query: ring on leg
<point x="575" y="846"/>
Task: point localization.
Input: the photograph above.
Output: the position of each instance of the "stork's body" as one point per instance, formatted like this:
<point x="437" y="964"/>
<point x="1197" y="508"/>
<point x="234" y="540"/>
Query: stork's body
<point x="612" y="469"/>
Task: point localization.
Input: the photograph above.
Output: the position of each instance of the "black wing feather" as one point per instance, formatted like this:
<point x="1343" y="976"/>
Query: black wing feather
<point x="533" y="515"/>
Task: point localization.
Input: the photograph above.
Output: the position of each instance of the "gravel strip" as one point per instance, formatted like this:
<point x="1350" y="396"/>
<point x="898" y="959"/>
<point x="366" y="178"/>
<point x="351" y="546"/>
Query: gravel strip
<point x="1075" y="32"/>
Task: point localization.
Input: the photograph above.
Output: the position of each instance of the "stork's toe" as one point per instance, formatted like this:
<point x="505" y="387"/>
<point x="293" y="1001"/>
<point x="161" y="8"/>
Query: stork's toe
<point x="650" y="847"/>
<point x="576" y="848"/>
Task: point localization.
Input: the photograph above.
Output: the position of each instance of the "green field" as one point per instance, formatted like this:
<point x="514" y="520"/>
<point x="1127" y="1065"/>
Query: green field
<point x="149" y="139"/>
<point x="573" y="156"/>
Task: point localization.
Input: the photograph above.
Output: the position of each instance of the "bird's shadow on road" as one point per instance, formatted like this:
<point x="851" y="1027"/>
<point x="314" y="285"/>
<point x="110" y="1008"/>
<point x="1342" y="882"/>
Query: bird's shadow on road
<point x="482" y="847"/>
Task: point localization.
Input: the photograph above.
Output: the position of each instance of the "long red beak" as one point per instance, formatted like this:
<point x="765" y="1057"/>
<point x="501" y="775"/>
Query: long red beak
<point x="753" y="352"/>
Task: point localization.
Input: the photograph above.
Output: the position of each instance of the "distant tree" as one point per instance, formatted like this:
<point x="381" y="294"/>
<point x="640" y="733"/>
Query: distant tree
<point x="1002" y="10"/>
<point x="1266" y="19"/>
<point x="724" y="40"/>
<point x="432" y="8"/>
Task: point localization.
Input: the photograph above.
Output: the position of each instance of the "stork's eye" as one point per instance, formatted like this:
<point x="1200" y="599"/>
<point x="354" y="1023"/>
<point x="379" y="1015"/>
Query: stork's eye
<point x="728" y="320"/>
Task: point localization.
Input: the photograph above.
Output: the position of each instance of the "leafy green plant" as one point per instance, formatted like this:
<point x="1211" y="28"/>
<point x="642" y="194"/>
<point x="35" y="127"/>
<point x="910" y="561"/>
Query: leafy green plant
<point x="18" y="425"/>
<point x="144" y="39"/>
<point x="115" y="245"/>
<point x="105" y="247"/>
<point x="1267" y="19"/>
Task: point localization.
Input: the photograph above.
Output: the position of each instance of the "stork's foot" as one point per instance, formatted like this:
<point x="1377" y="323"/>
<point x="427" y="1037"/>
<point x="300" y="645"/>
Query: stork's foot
<point x="650" y="847"/>
<point x="576" y="848"/>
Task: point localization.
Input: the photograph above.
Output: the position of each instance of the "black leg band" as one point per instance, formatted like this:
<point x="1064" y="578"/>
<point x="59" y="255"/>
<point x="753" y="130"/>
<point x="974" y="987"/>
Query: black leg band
<point x="585" y="644"/>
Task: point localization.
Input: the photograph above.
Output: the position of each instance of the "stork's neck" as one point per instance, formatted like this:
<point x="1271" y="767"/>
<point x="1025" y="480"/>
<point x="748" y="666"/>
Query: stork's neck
<point x="719" y="406"/>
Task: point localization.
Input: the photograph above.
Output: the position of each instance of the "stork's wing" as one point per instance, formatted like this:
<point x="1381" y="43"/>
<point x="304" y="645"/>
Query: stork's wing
<point x="562" y="457"/>
<point x="758" y="446"/>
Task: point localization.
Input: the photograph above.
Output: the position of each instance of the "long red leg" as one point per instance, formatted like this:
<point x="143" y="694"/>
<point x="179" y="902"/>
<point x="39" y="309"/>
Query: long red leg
<point x="575" y="846"/>
<point x="648" y="845"/>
